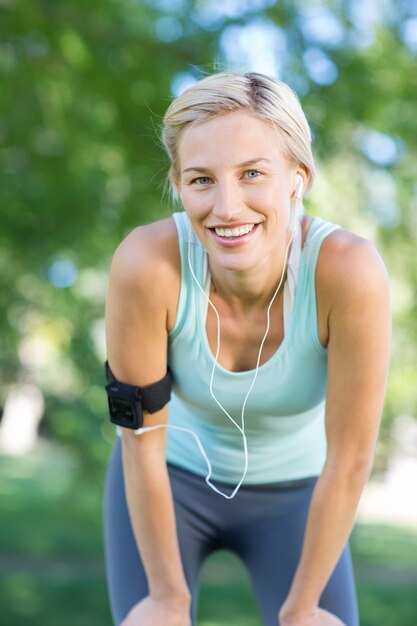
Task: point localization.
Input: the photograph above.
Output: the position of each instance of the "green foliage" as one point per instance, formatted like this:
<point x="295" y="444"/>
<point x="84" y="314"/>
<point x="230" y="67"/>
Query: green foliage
<point x="84" y="87"/>
<point x="61" y="501"/>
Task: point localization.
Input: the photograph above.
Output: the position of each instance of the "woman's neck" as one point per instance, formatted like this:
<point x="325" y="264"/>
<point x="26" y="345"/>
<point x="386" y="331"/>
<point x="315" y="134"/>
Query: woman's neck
<point x="244" y="290"/>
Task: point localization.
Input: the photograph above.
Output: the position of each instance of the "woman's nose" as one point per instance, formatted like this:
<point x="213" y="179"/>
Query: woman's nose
<point x="227" y="203"/>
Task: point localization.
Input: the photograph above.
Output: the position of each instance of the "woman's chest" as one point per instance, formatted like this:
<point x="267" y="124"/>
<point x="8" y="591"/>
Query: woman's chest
<point x="292" y="381"/>
<point x="259" y="334"/>
<point x="242" y="340"/>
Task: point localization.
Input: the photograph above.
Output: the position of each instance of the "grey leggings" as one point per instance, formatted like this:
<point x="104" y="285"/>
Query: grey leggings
<point x="263" y="525"/>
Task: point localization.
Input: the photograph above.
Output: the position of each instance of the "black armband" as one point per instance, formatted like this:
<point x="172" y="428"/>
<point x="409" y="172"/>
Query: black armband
<point x="127" y="402"/>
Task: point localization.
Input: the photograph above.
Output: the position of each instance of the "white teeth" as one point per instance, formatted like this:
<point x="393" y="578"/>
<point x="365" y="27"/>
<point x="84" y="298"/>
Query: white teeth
<point x="234" y="232"/>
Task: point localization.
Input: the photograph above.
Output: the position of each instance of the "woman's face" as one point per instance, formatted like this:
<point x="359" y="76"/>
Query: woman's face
<point x="236" y="187"/>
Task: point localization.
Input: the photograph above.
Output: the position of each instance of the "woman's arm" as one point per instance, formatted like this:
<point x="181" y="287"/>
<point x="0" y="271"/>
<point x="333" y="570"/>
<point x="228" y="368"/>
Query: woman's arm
<point x="142" y="277"/>
<point x="354" y="281"/>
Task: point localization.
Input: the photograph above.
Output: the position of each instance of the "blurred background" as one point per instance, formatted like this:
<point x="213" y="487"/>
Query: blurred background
<point x="83" y="88"/>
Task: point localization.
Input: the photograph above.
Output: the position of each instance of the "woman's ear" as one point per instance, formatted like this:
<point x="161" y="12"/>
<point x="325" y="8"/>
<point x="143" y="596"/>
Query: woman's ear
<point x="177" y="188"/>
<point x="299" y="186"/>
<point x="300" y="183"/>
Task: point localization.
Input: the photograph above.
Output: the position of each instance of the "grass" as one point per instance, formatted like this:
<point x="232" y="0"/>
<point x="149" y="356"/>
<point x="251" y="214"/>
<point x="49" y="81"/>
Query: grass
<point x="44" y="601"/>
<point x="226" y="596"/>
<point x="382" y="605"/>
<point x="380" y="544"/>
<point x="52" y="571"/>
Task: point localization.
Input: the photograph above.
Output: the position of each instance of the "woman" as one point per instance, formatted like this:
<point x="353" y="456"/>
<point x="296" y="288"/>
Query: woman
<point x="275" y="327"/>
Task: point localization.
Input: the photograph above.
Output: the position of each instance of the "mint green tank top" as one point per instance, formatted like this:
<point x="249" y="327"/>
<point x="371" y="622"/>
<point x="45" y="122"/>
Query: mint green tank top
<point x="284" y="415"/>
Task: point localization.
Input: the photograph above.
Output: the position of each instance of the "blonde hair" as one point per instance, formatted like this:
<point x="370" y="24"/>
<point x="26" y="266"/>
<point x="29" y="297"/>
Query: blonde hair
<point x="268" y="99"/>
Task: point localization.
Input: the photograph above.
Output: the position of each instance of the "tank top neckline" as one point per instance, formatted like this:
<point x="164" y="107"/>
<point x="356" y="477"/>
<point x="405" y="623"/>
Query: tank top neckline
<point x="297" y="258"/>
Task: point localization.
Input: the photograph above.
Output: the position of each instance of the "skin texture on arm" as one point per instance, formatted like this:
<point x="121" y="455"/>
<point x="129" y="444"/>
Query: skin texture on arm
<point x="142" y="279"/>
<point x="353" y="294"/>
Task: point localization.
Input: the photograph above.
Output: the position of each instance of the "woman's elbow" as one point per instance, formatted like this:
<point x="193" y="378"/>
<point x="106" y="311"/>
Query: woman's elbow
<point x="354" y="466"/>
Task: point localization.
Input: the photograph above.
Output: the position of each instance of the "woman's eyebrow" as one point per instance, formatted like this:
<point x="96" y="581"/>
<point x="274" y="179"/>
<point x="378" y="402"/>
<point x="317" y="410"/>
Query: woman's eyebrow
<point x="244" y="164"/>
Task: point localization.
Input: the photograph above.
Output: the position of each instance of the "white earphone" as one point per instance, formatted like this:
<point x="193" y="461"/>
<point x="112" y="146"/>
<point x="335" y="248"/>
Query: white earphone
<point x="299" y="184"/>
<point x="297" y="208"/>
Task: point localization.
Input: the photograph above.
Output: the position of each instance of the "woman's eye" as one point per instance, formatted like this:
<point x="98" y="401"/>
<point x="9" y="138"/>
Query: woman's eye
<point x="202" y="180"/>
<point x="252" y="174"/>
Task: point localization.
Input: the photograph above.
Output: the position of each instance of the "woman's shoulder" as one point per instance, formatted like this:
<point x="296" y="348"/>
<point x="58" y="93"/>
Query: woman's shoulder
<point x="148" y="257"/>
<point x="350" y="266"/>
<point x="149" y="247"/>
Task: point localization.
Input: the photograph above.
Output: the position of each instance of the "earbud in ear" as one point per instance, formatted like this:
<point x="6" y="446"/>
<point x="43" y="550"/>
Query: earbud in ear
<point x="299" y="184"/>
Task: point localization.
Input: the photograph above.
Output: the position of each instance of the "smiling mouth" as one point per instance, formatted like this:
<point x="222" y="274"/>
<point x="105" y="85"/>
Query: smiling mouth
<point x="238" y="231"/>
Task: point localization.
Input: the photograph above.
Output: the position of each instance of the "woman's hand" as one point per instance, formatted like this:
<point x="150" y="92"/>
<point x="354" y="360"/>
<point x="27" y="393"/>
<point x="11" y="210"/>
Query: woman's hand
<point x="316" y="617"/>
<point x="150" y="612"/>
